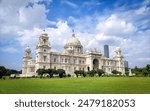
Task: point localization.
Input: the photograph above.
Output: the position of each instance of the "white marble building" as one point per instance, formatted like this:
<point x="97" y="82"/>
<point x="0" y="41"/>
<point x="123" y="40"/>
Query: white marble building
<point x="70" y="59"/>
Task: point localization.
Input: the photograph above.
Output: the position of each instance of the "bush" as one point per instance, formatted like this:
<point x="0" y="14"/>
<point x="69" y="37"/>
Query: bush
<point x="68" y="75"/>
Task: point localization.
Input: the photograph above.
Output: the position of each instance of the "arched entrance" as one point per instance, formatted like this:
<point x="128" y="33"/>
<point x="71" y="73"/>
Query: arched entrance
<point x="95" y="64"/>
<point x="88" y="68"/>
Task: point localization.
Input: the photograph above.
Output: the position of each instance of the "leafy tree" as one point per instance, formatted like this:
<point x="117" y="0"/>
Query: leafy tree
<point x="148" y="68"/>
<point x="41" y="72"/>
<point x="11" y="71"/>
<point x="76" y="72"/>
<point x="116" y="72"/>
<point x="127" y="71"/>
<point x="82" y="72"/>
<point x="100" y="72"/>
<point x="61" y="72"/>
<point x="2" y="71"/>
<point x="50" y="72"/>
<point x="145" y="71"/>
<point x="137" y="71"/>
<point x="54" y="71"/>
<point x="20" y="72"/>
<point x="92" y="73"/>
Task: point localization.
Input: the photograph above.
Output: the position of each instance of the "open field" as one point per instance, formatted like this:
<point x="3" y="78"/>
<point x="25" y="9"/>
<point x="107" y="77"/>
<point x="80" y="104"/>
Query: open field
<point x="89" y="85"/>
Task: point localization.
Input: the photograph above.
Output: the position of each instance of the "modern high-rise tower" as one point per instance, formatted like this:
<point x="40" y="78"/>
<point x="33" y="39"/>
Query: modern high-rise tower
<point x="106" y="51"/>
<point x="126" y="64"/>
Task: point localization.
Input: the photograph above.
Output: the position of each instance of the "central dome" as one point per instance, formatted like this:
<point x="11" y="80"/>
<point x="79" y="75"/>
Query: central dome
<point x="73" y="45"/>
<point x="73" y="41"/>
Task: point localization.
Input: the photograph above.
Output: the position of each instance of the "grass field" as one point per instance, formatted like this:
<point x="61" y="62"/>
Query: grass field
<point x="95" y="85"/>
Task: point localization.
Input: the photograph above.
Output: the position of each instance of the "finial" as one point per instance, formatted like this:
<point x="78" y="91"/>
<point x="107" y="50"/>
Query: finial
<point x="73" y="35"/>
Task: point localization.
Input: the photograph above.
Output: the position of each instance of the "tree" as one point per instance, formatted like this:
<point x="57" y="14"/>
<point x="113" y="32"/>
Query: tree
<point x="145" y="71"/>
<point x="82" y="72"/>
<point x="137" y="71"/>
<point x="92" y="73"/>
<point x="54" y="71"/>
<point x="127" y="71"/>
<point x="50" y="72"/>
<point x="116" y="72"/>
<point x="11" y="71"/>
<point x="41" y="72"/>
<point x="148" y="68"/>
<point x="2" y="71"/>
<point x="61" y="72"/>
<point x="20" y="72"/>
<point x="100" y="72"/>
<point x="76" y="72"/>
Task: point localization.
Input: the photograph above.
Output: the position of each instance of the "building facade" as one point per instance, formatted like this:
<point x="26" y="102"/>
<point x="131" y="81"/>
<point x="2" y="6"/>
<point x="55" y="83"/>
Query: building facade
<point x="70" y="59"/>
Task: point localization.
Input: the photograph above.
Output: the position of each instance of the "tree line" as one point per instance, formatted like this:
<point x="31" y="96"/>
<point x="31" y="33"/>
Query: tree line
<point x="51" y="72"/>
<point x="145" y="71"/>
<point x="7" y="72"/>
<point x="62" y="73"/>
<point x="91" y="73"/>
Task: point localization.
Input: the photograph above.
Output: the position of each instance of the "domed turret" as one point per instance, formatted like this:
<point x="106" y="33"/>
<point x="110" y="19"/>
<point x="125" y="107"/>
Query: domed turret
<point x="117" y="53"/>
<point x="43" y="33"/>
<point x="73" y="45"/>
<point x="43" y="40"/>
<point x="27" y="49"/>
<point x="118" y="49"/>
<point x="27" y="53"/>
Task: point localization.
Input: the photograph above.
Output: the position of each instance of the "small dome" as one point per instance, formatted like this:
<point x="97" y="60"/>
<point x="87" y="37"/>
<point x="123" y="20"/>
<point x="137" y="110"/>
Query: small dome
<point x="28" y="49"/>
<point x="118" y="48"/>
<point x="73" y="41"/>
<point x="43" y="33"/>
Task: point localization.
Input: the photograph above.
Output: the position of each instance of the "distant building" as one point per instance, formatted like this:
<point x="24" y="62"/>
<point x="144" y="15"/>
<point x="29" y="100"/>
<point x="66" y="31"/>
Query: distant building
<point x="106" y="51"/>
<point x="126" y="64"/>
<point x="70" y="59"/>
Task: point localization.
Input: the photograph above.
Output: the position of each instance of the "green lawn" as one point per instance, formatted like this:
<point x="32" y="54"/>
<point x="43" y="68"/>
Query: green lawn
<point x="89" y="85"/>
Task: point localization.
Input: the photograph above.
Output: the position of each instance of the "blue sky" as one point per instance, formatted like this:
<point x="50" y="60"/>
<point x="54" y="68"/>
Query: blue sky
<point x="118" y="23"/>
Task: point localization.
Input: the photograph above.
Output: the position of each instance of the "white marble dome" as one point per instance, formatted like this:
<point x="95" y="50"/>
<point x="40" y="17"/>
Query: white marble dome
<point x="28" y="49"/>
<point x="43" y="33"/>
<point x="118" y="48"/>
<point x="73" y="41"/>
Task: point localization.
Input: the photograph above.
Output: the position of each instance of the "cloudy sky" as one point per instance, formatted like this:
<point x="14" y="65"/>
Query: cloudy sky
<point x="123" y="23"/>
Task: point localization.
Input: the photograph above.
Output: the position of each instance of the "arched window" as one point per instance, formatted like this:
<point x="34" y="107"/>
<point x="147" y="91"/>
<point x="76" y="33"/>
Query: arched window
<point x="95" y="64"/>
<point x="44" y="58"/>
<point x="65" y="60"/>
<point x="54" y="59"/>
<point x="44" y="40"/>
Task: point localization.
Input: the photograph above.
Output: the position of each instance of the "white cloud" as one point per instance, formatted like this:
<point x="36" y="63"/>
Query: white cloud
<point x="16" y="16"/>
<point x="33" y="16"/>
<point x="57" y="36"/>
<point x="144" y="59"/>
<point x="142" y="10"/>
<point x="9" y="49"/>
<point x="115" y="26"/>
<point x="69" y="3"/>
<point x="29" y="37"/>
